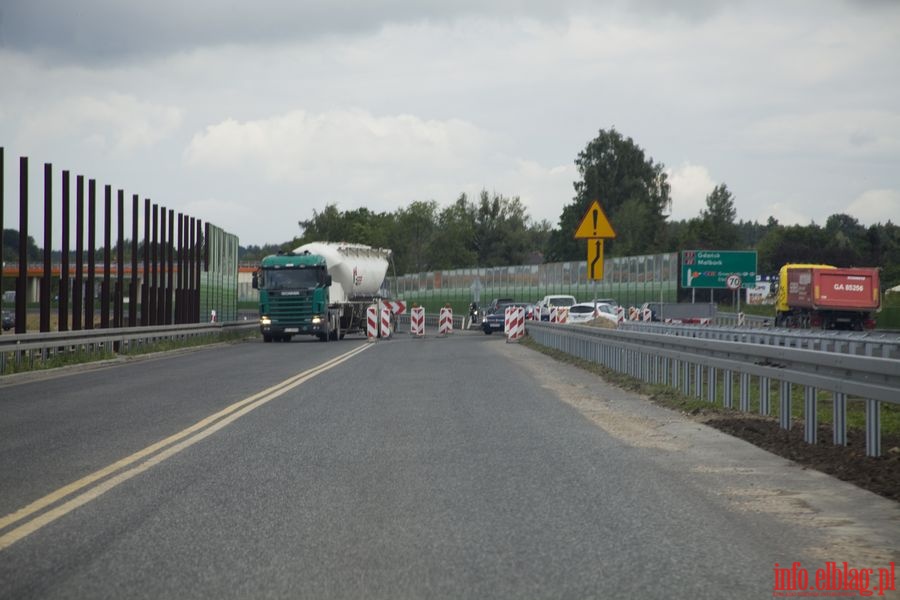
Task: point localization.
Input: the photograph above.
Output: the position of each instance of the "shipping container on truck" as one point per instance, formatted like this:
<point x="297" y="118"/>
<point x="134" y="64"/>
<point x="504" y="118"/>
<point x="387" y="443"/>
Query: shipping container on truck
<point x="827" y="297"/>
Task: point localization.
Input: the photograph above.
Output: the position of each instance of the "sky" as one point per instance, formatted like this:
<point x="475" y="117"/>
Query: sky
<point x="252" y="115"/>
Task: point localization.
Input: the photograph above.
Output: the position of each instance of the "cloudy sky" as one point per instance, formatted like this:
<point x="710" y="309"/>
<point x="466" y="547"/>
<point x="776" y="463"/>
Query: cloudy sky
<point x="251" y="115"/>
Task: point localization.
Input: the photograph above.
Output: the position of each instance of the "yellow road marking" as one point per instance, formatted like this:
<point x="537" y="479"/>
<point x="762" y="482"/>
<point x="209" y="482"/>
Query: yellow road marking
<point x="201" y="430"/>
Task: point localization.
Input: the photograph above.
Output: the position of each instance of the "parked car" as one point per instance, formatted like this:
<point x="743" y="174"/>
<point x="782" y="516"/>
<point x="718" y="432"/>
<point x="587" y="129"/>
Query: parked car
<point x="554" y="300"/>
<point x="495" y="319"/>
<point x="9" y="321"/>
<point x="588" y="311"/>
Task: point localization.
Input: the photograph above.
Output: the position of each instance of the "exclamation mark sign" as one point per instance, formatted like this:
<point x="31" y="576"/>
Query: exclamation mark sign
<point x="594" y="214"/>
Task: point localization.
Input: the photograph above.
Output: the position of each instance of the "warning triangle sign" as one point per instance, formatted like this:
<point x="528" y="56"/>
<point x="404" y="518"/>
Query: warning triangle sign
<point x="594" y="224"/>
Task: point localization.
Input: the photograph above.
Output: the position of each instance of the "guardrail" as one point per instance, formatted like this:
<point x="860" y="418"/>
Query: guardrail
<point x="874" y="343"/>
<point x="696" y="365"/>
<point x="42" y="347"/>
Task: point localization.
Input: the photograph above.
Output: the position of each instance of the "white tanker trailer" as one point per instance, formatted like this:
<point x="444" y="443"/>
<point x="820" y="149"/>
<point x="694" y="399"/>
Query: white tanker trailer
<point x="321" y="288"/>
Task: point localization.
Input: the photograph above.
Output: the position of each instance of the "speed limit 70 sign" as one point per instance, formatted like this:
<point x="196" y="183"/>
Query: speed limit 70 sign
<point x="733" y="282"/>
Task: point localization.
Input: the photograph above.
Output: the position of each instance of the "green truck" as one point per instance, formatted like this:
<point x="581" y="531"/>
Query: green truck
<point x="320" y="289"/>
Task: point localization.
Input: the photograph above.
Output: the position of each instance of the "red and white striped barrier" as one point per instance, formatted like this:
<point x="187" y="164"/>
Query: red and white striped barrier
<point x="554" y="314"/>
<point x="647" y="315"/>
<point x="563" y="314"/>
<point x="417" y="322"/>
<point x="445" y="322"/>
<point x="398" y="307"/>
<point x="372" y="323"/>
<point x="386" y="323"/>
<point x="620" y="314"/>
<point x="514" y="323"/>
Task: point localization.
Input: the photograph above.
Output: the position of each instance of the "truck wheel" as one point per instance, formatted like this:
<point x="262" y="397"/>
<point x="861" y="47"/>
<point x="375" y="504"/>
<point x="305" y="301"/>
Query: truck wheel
<point x="334" y="329"/>
<point x="267" y="338"/>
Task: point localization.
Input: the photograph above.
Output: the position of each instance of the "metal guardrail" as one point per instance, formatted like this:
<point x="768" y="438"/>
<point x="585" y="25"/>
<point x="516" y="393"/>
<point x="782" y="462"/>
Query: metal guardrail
<point x="34" y="347"/>
<point x="874" y="343"/>
<point x="697" y="365"/>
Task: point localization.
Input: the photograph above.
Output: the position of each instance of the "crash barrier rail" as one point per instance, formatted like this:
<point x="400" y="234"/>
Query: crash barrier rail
<point x="874" y="343"/>
<point x="31" y="348"/>
<point x="743" y="320"/>
<point x="697" y="365"/>
<point x="432" y="321"/>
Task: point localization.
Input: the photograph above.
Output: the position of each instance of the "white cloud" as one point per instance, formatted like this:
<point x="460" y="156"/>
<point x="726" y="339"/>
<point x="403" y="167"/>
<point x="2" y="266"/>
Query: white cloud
<point x="299" y="147"/>
<point x="110" y="124"/>
<point x="844" y="133"/>
<point x="786" y="214"/>
<point x="876" y="206"/>
<point x="690" y="185"/>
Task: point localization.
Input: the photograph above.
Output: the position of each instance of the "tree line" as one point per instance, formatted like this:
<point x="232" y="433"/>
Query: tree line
<point x="495" y="230"/>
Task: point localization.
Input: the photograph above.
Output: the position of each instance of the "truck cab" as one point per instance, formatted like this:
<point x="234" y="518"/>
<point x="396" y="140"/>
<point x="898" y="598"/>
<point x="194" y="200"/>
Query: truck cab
<point x="293" y="296"/>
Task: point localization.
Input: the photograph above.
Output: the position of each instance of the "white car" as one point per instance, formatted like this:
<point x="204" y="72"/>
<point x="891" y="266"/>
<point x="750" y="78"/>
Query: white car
<point x="554" y="300"/>
<point x="588" y="311"/>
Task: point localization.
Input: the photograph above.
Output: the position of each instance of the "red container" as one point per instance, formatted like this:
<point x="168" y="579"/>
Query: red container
<point x="835" y="289"/>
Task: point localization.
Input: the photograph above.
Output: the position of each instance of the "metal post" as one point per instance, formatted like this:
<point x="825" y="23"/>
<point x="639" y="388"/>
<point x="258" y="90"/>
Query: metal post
<point x="170" y="270"/>
<point x="712" y="384"/>
<point x="873" y="428"/>
<point x="21" y="282"/>
<point x="63" y="312"/>
<point x="728" y="386"/>
<point x="161" y="268"/>
<point x="133" y="289"/>
<point x="47" y="278"/>
<point x="145" y="285"/>
<point x="92" y="259"/>
<point x="784" y="414"/>
<point x="839" y="408"/>
<point x="764" y="396"/>
<point x="2" y="210"/>
<point x="107" y="257"/>
<point x="745" y="392"/>
<point x="810" y="414"/>
<point x="154" y="264"/>
<point x="119" y="310"/>
<point x="698" y="380"/>
<point x="78" y="284"/>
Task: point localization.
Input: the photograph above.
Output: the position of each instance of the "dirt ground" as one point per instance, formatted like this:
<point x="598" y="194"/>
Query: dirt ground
<point x="880" y="475"/>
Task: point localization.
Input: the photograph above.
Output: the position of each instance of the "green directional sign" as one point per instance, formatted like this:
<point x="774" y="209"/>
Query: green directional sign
<point x="729" y="269"/>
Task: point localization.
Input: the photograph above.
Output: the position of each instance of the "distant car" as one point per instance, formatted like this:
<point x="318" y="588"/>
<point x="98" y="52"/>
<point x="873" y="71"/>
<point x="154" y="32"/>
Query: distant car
<point x="554" y="300"/>
<point x="498" y="301"/>
<point x="588" y="311"/>
<point x="495" y="318"/>
<point x="9" y="321"/>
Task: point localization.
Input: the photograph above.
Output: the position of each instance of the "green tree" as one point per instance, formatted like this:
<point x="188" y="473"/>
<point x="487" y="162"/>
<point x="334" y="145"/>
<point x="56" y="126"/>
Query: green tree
<point x="632" y="189"/>
<point x="717" y="228"/>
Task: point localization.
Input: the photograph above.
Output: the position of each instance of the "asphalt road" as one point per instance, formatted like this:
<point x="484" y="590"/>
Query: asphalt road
<point x="461" y="467"/>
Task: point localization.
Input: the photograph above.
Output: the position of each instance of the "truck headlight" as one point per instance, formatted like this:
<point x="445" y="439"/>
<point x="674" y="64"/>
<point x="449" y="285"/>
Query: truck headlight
<point x="264" y="320"/>
<point x="316" y="320"/>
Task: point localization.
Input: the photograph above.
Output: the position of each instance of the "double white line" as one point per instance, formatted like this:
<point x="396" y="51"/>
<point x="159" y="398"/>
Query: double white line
<point x="116" y="473"/>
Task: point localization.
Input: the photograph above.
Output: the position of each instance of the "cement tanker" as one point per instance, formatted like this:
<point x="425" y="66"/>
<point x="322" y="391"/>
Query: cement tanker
<point x="321" y="289"/>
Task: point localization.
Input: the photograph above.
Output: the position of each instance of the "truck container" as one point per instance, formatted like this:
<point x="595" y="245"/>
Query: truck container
<point x="320" y="289"/>
<point x="827" y="297"/>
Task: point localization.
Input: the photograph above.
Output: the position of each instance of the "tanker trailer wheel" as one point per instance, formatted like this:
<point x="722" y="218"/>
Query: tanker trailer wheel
<point x="267" y="338"/>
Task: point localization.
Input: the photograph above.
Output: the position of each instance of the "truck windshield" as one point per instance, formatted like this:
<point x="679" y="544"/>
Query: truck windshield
<point x="290" y="279"/>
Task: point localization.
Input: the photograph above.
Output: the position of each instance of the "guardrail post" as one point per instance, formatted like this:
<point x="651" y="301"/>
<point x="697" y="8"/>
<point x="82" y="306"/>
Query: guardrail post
<point x="676" y="367"/>
<point x="745" y="392"/>
<point x="728" y="387"/>
<point x="698" y="380"/>
<point x="784" y="414"/>
<point x="839" y="405"/>
<point x="810" y="415"/>
<point x="764" y="396"/>
<point x="873" y="428"/>
<point x="712" y="377"/>
<point x="686" y="380"/>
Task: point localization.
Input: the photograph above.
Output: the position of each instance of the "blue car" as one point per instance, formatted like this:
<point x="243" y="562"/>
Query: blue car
<point x="495" y="319"/>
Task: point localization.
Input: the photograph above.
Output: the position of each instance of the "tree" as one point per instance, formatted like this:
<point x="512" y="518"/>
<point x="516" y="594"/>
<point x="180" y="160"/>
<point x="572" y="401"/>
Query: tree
<point x="628" y="185"/>
<point x="716" y="227"/>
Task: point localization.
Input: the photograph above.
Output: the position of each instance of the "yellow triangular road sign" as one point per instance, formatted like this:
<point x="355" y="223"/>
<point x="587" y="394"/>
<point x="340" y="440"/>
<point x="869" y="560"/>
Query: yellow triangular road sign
<point x="594" y="224"/>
